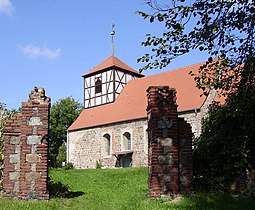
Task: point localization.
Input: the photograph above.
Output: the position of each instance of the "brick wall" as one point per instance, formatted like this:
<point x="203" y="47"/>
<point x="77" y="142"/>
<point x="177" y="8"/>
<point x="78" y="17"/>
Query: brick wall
<point x="170" y="145"/>
<point x="26" y="149"/>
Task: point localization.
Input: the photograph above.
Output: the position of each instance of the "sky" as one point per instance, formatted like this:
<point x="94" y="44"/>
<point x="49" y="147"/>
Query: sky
<point x="51" y="44"/>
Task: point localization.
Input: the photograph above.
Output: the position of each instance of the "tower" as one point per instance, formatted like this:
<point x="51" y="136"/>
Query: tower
<point x="104" y="83"/>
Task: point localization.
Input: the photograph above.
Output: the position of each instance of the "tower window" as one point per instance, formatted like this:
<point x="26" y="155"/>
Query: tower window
<point x="98" y="86"/>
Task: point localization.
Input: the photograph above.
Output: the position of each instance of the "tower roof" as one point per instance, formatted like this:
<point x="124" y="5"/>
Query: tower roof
<point x="112" y="61"/>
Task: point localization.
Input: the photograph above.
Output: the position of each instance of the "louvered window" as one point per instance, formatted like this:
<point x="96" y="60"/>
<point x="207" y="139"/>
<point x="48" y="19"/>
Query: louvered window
<point x="98" y="86"/>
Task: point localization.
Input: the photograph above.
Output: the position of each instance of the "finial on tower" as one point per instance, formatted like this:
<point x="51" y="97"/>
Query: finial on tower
<point x="112" y="34"/>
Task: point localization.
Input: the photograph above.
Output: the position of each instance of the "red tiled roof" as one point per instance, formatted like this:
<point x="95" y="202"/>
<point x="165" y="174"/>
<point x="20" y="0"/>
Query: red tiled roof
<point x="111" y="62"/>
<point x="132" y="102"/>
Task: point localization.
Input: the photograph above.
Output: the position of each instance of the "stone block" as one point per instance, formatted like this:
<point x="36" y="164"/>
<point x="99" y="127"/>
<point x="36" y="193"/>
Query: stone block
<point x="33" y="139"/>
<point x="14" y="176"/>
<point x="17" y="149"/>
<point x="165" y="159"/>
<point x="35" y="121"/>
<point x="165" y="141"/>
<point x="32" y="176"/>
<point x="14" y="140"/>
<point x="33" y="158"/>
<point x="14" y="158"/>
<point x="16" y="187"/>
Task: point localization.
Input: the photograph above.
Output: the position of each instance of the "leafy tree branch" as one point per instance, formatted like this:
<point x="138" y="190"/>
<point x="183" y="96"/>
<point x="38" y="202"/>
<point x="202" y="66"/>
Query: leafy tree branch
<point x="223" y="29"/>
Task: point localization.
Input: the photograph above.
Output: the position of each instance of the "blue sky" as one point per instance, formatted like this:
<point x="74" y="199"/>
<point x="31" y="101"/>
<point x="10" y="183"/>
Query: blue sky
<point x="50" y="44"/>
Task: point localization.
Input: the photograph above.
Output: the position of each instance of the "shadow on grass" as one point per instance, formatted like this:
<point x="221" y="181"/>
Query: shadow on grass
<point x="59" y="190"/>
<point x="219" y="201"/>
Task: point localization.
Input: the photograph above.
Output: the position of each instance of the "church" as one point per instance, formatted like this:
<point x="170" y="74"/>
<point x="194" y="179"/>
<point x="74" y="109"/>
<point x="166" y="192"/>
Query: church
<point x="112" y="128"/>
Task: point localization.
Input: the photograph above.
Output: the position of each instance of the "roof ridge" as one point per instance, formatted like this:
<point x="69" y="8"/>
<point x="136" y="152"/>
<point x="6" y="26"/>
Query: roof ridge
<point x="177" y="69"/>
<point x="171" y="71"/>
<point x="110" y="62"/>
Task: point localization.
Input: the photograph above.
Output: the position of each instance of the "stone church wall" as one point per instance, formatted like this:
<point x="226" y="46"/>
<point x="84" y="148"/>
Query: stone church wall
<point x="85" y="147"/>
<point x="194" y="118"/>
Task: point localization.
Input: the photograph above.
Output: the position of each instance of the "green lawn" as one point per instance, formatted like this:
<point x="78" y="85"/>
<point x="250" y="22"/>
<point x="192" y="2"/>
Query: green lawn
<point x="106" y="189"/>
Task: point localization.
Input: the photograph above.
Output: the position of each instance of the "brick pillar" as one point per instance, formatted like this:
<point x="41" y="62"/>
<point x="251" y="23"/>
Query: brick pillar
<point x="12" y="155"/>
<point x="164" y="143"/>
<point x="185" y="156"/>
<point x="26" y="149"/>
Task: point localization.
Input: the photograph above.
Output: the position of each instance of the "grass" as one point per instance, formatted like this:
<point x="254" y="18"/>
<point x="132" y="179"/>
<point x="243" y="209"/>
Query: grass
<point x="111" y="189"/>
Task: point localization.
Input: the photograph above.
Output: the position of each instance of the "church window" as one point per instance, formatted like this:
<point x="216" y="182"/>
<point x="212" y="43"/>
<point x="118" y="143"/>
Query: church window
<point x="98" y="86"/>
<point x="126" y="141"/>
<point x="107" y="144"/>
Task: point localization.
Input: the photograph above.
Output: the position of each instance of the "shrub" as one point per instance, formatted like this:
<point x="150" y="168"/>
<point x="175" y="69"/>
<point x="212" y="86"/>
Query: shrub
<point x="68" y="166"/>
<point x="98" y="164"/>
<point x="61" y="155"/>
<point x="224" y="153"/>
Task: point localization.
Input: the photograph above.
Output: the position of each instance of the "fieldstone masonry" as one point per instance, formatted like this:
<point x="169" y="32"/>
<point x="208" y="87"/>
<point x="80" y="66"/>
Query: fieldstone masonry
<point x="26" y="149"/>
<point x="170" y="145"/>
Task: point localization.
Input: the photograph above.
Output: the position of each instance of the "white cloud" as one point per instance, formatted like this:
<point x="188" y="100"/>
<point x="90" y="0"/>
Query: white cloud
<point x="6" y="7"/>
<point x="37" y="51"/>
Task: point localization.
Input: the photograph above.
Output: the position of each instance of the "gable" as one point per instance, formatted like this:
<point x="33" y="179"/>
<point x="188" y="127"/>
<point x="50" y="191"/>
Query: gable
<point x="110" y="62"/>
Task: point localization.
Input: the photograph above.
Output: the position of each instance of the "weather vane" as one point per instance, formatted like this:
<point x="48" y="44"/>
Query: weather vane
<point x="112" y="34"/>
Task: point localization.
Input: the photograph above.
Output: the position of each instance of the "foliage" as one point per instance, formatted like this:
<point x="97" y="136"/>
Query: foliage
<point x="68" y="166"/>
<point x="225" y="150"/>
<point x="62" y="114"/>
<point x="5" y="114"/>
<point x="98" y="164"/>
<point x="119" y="189"/>
<point x="61" y="155"/>
<point x="223" y="29"/>
<point x="1" y="176"/>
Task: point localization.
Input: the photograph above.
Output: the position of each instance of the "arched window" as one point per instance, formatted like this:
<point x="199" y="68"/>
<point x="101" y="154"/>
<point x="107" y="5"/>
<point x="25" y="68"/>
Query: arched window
<point x="126" y="141"/>
<point x="98" y="86"/>
<point x="107" y="144"/>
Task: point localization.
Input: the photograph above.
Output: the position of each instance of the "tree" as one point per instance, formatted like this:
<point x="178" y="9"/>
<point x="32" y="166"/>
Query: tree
<point x="5" y="114"/>
<point x="62" y="114"/>
<point x="61" y="155"/>
<point x="223" y="29"/>
<point x="224" y="153"/>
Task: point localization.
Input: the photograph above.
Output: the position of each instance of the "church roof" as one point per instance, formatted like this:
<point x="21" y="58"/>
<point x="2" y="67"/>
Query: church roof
<point x="112" y="61"/>
<point x="132" y="102"/>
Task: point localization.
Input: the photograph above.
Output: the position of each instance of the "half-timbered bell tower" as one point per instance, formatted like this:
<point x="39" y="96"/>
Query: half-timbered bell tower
<point x="103" y="84"/>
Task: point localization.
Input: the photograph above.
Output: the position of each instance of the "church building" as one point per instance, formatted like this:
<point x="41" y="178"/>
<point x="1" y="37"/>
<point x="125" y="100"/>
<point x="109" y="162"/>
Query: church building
<point x="112" y="128"/>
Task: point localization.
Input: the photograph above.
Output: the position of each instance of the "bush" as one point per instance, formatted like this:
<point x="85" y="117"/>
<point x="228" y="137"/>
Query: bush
<point x="99" y="164"/>
<point x="68" y="166"/>
<point x="61" y="155"/>
<point x="224" y="153"/>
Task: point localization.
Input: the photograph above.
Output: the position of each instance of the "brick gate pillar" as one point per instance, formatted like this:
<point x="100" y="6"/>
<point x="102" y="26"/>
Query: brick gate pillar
<point x="170" y="152"/>
<point x="26" y="149"/>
